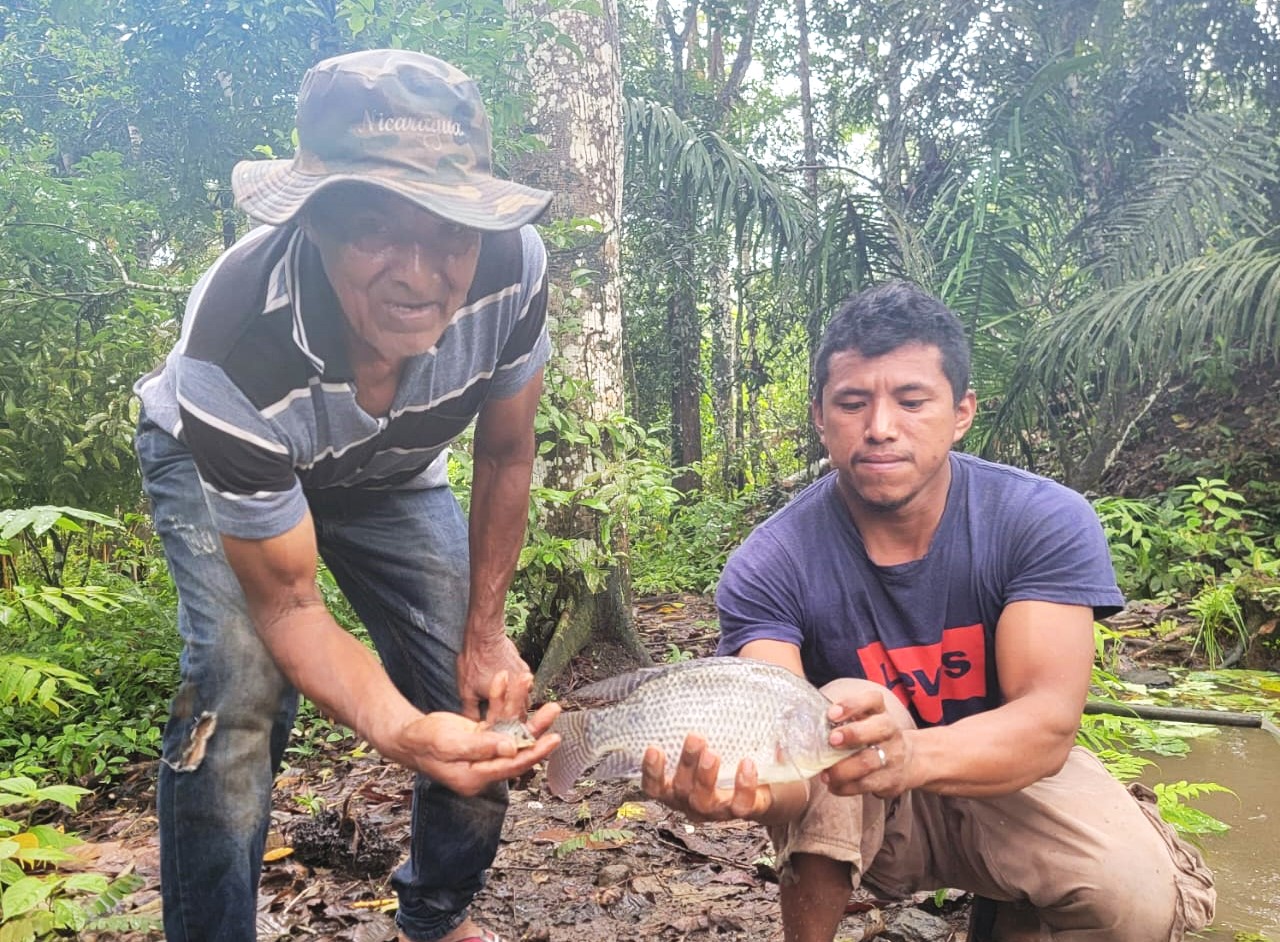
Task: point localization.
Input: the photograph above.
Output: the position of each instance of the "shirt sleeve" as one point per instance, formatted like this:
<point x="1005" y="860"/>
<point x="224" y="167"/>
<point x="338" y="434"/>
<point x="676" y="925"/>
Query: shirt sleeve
<point x="250" y="484"/>
<point x="1060" y="554"/>
<point x="528" y="347"/>
<point x="758" y="596"/>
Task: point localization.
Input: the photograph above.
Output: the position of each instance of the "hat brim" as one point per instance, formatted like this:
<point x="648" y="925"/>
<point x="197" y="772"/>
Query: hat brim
<point x="272" y="191"/>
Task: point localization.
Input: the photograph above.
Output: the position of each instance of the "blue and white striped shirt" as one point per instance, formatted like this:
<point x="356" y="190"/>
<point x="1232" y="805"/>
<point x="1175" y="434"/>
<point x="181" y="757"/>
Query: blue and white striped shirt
<point x="260" y="389"/>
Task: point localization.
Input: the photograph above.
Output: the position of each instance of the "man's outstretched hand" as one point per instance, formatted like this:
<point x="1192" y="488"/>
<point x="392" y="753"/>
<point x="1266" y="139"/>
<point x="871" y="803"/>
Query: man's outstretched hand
<point x="466" y="755"/>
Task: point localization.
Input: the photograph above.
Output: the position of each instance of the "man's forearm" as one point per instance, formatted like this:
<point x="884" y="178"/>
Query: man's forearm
<point x="499" y="509"/>
<point x="336" y="672"/>
<point x="994" y="753"/>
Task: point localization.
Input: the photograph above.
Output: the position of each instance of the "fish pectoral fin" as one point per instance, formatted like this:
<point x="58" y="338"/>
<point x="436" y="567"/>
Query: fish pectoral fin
<point x="617" y="765"/>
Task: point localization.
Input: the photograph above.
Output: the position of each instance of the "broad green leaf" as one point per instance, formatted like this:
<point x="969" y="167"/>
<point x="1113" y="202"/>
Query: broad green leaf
<point x="24" y="896"/>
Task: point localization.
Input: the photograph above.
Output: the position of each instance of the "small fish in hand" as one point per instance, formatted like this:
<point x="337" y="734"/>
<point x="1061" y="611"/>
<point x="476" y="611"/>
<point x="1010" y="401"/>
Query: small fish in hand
<point x="746" y="709"/>
<point x="516" y="730"/>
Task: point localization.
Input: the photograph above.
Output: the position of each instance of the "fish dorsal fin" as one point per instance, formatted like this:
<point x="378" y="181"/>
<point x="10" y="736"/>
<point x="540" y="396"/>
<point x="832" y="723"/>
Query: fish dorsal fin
<point x="612" y="689"/>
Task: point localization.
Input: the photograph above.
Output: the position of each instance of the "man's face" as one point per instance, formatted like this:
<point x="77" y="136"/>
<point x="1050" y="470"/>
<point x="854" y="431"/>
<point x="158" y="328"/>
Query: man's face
<point x="888" y="423"/>
<point x="400" y="272"/>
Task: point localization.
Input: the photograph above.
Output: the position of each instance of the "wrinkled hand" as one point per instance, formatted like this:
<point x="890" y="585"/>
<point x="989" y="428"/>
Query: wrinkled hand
<point x="883" y="766"/>
<point x="479" y="663"/>
<point x="692" y="789"/>
<point x="466" y="755"/>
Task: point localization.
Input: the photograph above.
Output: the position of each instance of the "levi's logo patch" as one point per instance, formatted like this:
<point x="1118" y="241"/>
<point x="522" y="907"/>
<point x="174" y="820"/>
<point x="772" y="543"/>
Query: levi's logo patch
<point x="925" y="676"/>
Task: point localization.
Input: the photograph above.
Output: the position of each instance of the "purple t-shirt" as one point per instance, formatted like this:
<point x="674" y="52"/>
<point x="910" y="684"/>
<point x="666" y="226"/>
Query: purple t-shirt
<point x="924" y="629"/>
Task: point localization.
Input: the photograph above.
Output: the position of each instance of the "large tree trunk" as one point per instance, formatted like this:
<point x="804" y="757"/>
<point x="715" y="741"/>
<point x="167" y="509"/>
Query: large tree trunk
<point x="578" y="114"/>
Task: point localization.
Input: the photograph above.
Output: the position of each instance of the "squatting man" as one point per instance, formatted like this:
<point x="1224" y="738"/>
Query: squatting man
<point x="946" y="605"/>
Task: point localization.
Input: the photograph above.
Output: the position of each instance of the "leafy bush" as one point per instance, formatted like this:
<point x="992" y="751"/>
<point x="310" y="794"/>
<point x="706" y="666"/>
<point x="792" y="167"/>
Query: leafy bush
<point x="686" y="548"/>
<point x="80" y="665"/>
<point x="38" y="901"/>
<point x="1198" y="542"/>
<point x="1172" y="800"/>
<point x="1176" y="545"/>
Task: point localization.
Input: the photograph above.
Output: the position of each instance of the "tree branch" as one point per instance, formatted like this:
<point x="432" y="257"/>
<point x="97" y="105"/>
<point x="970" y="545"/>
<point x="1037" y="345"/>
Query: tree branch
<point x="125" y="280"/>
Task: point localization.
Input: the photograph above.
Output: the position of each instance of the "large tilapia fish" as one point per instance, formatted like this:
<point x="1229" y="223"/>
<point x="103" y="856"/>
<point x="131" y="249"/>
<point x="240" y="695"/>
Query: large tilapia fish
<point x="743" y="707"/>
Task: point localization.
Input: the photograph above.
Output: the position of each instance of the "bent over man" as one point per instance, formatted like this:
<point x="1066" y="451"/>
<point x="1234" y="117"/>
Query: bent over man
<point x="394" y="295"/>
<point x="947" y="605"/>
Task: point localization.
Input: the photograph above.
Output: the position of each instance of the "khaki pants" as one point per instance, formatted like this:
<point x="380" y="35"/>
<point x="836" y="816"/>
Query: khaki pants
<point x="1091" y="859"/>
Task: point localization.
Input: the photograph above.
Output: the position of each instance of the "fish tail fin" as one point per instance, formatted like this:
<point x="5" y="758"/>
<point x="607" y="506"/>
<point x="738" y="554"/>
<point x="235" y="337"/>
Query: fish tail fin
<point x="573" y="755"/>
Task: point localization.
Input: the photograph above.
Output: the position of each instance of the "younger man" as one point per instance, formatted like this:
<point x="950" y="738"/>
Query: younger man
<point x="946" y="604"/>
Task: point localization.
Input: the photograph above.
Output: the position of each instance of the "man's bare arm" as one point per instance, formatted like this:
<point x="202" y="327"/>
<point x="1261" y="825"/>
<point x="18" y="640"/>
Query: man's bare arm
<point x="345" y="679"/>
<point x="1044" y="656"/>
<point x="502" y="465"/>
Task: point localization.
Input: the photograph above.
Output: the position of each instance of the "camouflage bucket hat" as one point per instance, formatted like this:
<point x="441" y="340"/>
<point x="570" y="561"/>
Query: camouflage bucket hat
<point x="404" y="121"/>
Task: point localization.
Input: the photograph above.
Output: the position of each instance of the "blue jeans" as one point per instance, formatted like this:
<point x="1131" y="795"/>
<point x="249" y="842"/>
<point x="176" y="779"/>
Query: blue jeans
<point x="400" y="558"/>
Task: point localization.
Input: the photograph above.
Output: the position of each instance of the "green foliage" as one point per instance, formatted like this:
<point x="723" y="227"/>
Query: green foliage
<point x="76" y="687"/>
<point x="309" y="802"/>
<point x="1125" y="766"/>
<point x="1198" y="542"/>
<point x="607" y="836"/>
<point x="623" y="486"/>
<point x="38" y="901"/>
<point x="1218" y="610"/>
<point x="1172" y="800"/>
<point x="1194" y="536"/>
<point x="83" y="717"/>
<point x="314" y="734"/>
<point x="685" y="548"/>
<point x="676" y="654"/>
<point x="1117" y="736"/>
<point x="25" y="681"/>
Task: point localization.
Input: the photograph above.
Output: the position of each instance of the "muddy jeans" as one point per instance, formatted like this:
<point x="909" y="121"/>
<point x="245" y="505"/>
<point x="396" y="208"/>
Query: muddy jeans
<point x="1090" y="859"/>
<point x="400" y="558"/>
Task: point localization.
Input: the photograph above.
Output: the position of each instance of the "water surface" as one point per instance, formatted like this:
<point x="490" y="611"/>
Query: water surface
<point x="1246" y="859"/>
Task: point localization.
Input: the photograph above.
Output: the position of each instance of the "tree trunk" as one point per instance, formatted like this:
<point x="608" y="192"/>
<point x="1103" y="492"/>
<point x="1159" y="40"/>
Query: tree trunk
<point x="578" y="115"/>
<point x="684" y="327"/>
<point x="724" y="370"/>
<point x="810" y="444"/>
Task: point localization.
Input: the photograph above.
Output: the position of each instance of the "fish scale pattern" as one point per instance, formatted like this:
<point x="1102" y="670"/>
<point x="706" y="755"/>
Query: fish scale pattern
<point x="744" y="709"/>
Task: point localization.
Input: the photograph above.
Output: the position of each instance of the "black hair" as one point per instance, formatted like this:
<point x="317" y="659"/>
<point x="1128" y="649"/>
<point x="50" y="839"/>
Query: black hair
<point x="881" y="319"/>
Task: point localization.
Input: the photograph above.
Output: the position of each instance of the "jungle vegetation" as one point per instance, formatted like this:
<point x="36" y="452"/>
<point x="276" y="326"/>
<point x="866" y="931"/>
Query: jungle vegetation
<point x="1092" y="186"/>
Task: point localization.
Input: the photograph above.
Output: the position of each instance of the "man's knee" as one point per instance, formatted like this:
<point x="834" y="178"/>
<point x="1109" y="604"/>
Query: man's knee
<point x="1134" y="904"/>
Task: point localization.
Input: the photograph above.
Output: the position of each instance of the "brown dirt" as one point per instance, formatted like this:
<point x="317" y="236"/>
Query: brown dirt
<point x="1195" y="429"/>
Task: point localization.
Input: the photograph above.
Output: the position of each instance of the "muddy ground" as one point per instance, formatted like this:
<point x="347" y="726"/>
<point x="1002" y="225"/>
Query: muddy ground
<point x="607" y="867"/>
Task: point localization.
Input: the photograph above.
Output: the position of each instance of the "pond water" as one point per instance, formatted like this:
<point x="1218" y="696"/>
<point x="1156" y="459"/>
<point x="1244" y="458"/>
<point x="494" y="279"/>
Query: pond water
<point x="1246" y="859"/>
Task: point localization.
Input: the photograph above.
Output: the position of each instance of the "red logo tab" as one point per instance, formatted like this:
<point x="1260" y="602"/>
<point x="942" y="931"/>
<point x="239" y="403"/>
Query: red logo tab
<point x="926" y="675"/>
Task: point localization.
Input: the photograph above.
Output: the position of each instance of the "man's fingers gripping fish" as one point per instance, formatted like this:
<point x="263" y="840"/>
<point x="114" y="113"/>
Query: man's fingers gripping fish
<point x="743" y="707"/>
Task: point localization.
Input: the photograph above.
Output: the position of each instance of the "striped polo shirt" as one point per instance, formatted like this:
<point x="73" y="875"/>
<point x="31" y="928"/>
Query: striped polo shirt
<point x="260" y="389"/>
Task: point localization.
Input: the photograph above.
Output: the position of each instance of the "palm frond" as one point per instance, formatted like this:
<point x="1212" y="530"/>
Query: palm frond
<point x="1160" y="325"/>
<point x="848" y="243"/>
<point x="700" y="169"/>
<point x="1208" y="178"/>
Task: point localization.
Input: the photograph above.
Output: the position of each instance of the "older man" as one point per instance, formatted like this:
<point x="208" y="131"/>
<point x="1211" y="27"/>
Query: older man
<point x="395" y="294"/>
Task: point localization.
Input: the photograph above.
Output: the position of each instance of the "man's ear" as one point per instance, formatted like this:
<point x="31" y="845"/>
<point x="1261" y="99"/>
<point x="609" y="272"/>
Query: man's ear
<point x="815" y="413"/>
<point x="966" y="410"/>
